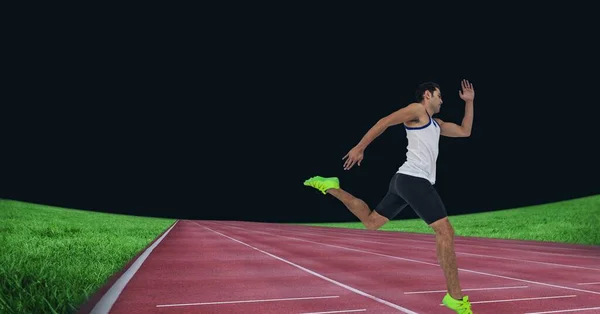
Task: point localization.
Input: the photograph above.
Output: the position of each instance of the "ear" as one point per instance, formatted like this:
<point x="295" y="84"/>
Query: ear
<point x="427" y="94"/>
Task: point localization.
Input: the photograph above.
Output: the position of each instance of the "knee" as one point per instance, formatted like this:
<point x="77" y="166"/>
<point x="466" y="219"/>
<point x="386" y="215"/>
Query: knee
<point x="375" y="221"/>
<point x="448" y="231"/>
<point x="443" y="228"/>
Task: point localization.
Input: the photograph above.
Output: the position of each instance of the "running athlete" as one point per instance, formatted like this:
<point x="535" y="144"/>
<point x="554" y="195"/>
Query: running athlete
<point x="413" y="183"/>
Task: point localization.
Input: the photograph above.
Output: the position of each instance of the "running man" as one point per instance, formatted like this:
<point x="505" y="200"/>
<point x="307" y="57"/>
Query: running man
<point x="413" y="183"/>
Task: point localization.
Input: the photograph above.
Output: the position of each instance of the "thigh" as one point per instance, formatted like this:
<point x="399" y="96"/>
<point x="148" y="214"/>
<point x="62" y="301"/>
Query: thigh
<point x="422" y="198"/>
<point x="391" y="204"/>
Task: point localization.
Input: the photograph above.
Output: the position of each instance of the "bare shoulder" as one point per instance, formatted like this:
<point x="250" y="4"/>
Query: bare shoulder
<point x="415" y="106"/>
<point x="417" y="114"/>
<point x="415" y="109"/>
<point x="405" y="114"/>
<point x="439" y="121"/>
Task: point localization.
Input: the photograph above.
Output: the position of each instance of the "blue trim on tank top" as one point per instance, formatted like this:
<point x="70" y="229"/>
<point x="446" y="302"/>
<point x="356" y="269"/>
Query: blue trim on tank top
<point x="421" y="127"/>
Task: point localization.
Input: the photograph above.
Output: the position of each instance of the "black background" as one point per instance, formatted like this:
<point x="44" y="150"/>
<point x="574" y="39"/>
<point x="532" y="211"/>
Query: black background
<point x="207" y="114"/>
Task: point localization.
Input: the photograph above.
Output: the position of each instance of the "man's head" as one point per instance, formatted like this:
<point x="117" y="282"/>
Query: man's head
<point x="429" y="94"/>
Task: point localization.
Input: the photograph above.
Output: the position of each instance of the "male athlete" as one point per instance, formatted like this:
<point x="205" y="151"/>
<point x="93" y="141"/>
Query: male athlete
<point x="413" y="183"/>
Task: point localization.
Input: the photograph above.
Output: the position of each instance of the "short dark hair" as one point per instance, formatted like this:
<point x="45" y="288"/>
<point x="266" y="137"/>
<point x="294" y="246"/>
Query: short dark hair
<point x="423" y="87"/>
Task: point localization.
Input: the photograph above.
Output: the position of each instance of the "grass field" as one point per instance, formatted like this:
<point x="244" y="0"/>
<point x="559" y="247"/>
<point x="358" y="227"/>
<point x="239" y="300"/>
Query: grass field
<point x="52" y="258"/>
<point x="573" y="221"/>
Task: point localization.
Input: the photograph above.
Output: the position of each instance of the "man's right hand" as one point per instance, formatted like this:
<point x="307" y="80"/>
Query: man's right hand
<point x="355" y="155"/>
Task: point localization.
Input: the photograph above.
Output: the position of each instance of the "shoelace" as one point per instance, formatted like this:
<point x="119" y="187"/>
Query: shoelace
<point x="322" y="186"/>
<point x="465" y="307"/>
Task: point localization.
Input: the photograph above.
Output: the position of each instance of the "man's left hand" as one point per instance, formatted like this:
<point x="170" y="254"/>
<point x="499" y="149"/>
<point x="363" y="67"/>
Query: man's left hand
<point x="467" y="93"/>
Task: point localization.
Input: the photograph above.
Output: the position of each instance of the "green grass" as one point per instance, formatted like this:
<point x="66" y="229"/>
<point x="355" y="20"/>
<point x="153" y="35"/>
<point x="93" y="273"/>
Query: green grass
<point x="52" y="258"/>
<point x="574" y="221"/>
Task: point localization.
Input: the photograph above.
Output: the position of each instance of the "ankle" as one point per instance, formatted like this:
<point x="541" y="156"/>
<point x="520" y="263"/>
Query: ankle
<point x="457" y="297"/>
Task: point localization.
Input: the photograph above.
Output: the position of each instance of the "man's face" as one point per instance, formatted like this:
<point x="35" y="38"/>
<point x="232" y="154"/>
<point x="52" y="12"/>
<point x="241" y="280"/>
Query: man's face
<point x="436" y="100"/>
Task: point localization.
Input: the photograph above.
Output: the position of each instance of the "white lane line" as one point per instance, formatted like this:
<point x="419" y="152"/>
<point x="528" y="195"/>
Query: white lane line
<point x="392" y="305"/>
<point x="457" y="252"/>
<point x="457" y="244"/>
<point x="589" y="283"/>
<point x="528" y="261"/>
<point x="523" y="299"/>
<point x="399" y="235"/>
<point x="342" y="311"/>
<point x="459" y="240"/>
<point x="472" y="289"/>
<point x="567" y="310"/>
<point x="247" y="301"/>
<point x="110" y="297"/>
<point x="427" y="263"/>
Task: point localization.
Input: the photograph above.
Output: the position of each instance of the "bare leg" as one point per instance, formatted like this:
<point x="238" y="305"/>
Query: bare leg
<point x="444" y="238"/>
<point x="371" y="219"/>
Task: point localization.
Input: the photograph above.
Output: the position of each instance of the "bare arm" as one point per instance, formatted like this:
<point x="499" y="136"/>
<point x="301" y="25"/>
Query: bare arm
<point x="450" y="129"/>
<point x="356" y="154"/>
<point x="407" y="113"/>
<point x="464" y="130"/>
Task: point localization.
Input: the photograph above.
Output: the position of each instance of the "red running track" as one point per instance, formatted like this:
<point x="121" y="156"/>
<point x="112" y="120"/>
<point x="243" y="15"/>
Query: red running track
<point x="246" y="267"/>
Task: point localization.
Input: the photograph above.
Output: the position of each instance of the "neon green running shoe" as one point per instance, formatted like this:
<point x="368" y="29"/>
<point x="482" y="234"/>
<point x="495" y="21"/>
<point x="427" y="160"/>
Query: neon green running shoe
<point x="460" y="306"/>
<point x="322" y="184"/>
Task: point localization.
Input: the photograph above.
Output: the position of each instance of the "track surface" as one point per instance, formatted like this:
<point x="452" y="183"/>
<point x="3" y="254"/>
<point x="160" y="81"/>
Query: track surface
<point x="245" y="267"/>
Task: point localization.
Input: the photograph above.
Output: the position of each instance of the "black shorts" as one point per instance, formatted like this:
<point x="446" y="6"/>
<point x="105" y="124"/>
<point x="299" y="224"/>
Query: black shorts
<point x="417" y="192"/>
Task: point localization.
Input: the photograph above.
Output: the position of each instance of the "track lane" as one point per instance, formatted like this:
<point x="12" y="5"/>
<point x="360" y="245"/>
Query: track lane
<point x="537" y="291"/>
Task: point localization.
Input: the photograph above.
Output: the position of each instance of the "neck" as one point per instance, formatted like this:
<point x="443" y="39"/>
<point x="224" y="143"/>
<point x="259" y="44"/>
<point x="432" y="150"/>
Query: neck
<point x="428" y="108"/>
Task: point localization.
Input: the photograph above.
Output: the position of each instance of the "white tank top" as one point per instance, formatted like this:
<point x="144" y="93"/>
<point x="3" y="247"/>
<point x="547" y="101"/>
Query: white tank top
<point x="422" y="151"/>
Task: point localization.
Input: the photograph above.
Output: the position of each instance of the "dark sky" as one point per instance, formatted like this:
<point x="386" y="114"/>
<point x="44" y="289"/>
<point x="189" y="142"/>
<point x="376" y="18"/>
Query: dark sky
<point x="225" y="119"/>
